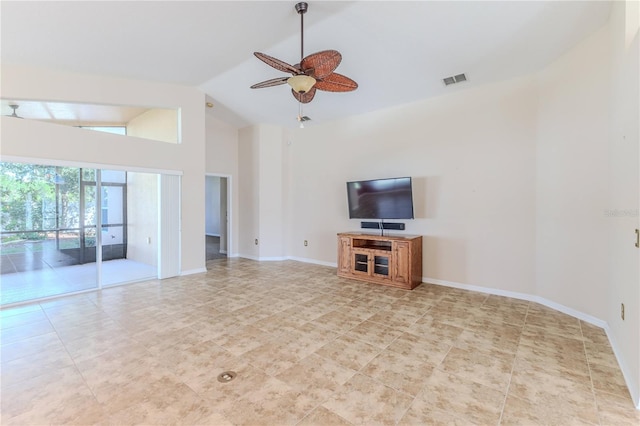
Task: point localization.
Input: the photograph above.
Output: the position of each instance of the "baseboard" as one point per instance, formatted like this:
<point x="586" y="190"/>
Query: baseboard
<point x="277" y="259"/>
<point x="570" y="311"/>
<point x="247" y="256"/>
<point x="479" y="289"/>
<point x="260" y="259"/>
<point x="314" y="261"/>
<point x="222" y="251"/>
<point x="521" y="296"/>
<point x="632" y="384"/>
<point x="193" y="271"/>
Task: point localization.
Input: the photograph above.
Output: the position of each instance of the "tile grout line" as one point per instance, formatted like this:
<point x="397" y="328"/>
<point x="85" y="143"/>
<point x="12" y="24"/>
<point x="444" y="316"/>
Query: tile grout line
<point x="515" y="359"/>
<point x="187" y="301"/>
<point x="75" y="366"/>
<point x="593" y="389"/>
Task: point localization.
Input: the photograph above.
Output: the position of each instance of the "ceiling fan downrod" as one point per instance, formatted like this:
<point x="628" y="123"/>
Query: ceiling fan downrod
<point x="301" y="8"/>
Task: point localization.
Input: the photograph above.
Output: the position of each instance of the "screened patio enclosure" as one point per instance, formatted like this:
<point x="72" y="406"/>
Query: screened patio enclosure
<point x="57" y="221"/>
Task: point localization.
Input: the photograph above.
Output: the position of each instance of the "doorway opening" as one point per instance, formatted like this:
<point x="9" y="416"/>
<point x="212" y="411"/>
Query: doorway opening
<point x="217" y="235"/>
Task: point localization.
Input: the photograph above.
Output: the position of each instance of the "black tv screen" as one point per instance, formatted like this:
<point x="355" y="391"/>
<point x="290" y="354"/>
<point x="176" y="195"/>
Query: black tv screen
<point x="380" y="199"/>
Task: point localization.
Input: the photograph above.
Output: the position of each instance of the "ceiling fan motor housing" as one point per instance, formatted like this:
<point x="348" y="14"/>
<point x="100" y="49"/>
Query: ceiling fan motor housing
<point x="302" y="7"/>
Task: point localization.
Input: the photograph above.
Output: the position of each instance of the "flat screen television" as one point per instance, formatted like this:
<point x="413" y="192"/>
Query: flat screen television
<point x="380" y="199"/>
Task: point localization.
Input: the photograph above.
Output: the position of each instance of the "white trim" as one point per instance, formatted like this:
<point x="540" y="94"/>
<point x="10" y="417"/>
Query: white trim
<point x="522" y="296"/>
<point x="314" y="261"/>
<point x="572" y="312"/>
<point x="632" y="385"/>
<point x="222" y="251"/>
<point x="260" y="259"/>
<point x="99" y="224"/>
<point x="86" y="165"/>
<point x="479" y="289"/>
<point x="193" y="271"/>
<point x="229" y="208"/>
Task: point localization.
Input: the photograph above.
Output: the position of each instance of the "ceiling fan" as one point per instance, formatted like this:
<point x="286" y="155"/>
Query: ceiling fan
<point x="14" y="107"/>
<point x="314" y="72"/>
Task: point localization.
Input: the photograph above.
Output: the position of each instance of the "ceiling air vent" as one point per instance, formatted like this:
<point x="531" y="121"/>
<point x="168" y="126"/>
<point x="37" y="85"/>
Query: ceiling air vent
<point x="454" y="79"/>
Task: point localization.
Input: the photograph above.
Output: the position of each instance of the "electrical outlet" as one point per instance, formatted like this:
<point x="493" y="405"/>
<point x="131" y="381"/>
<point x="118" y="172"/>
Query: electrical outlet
<point x="622" y="311"/>
<point x="306" y="243"/>
<point x="256" y="242"/>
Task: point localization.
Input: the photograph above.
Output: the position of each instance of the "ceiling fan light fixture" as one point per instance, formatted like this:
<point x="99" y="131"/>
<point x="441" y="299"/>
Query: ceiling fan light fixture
<point x="301" y="83"/>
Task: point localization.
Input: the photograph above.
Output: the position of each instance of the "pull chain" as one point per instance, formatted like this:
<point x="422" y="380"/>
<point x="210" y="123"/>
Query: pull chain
<point x="300" y="115"/>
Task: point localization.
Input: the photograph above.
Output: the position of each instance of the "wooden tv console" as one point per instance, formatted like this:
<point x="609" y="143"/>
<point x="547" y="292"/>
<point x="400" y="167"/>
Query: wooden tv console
<point x="390" y="260"/>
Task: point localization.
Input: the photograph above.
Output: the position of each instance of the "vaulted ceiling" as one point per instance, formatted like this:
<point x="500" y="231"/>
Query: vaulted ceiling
<point x="397" y="51"/>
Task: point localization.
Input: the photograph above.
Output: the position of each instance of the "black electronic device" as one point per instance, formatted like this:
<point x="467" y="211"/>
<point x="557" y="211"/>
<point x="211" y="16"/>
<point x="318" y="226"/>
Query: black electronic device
<point x="392" y="225"/>
<point x="380" y="199"/>
<point x="397" y="226"/>
<point x="370" y="225"/>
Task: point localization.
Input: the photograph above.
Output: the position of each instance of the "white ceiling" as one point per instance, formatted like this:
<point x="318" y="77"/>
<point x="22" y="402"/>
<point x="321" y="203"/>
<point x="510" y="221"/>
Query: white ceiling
<point x="398" y="52"/>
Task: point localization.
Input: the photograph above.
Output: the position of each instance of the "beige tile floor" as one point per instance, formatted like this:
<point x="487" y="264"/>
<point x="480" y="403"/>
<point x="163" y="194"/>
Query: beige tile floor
<point x="308" y="348"/>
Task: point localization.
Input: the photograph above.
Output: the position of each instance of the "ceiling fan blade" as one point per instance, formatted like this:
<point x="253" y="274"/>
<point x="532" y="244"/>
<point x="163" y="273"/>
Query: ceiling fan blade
<point x="277" y="63"/>
<point x="306" y="97"/>
<point x="321" y="64"/>
<point x="336" y="83"/>
<point x="269" y="83"/>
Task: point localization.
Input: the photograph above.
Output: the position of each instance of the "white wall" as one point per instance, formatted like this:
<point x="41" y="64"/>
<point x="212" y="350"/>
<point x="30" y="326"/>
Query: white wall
<point x="223" y="214"/>
<point x="572" y="177"/>
<point x="271" y="181"/>
<point x="623" y="203"/>
<point x="222" y="159"/>
<point x="262" y="184"/>
<point x="588" y="183"/>
<point x="249" y="191"/>
<point x="41" y="141"/>
<point x="472" y="159"/>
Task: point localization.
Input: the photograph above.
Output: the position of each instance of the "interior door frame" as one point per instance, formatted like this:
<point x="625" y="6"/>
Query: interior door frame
<point x="229" y="221"/>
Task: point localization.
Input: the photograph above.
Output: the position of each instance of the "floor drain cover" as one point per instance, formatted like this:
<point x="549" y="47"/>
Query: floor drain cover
<point x="227" y="376"/>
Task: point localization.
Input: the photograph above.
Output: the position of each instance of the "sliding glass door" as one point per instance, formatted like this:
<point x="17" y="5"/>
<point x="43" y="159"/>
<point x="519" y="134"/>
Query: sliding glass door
<point x="65" y="229"/>
<point x="42" y="232"/>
